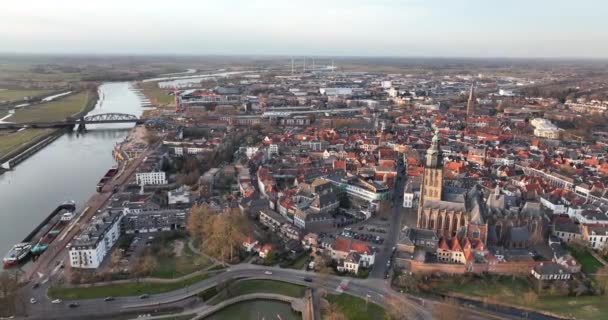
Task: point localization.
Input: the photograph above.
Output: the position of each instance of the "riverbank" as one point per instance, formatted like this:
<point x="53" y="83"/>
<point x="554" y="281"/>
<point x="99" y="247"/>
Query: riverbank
<point x="66" y="169"/>
<point x="20" y="145"/>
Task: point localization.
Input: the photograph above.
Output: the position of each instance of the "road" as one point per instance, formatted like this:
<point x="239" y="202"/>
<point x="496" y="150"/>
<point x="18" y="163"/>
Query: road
<point x="372" y="289"/>
<point x="382" y="257"/>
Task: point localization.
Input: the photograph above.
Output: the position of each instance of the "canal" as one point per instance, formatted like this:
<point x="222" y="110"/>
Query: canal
<point x="67" y="169"/>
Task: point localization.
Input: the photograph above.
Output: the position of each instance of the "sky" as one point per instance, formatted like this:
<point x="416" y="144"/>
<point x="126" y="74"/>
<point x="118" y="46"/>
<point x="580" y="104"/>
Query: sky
<point x="434" y="28"/>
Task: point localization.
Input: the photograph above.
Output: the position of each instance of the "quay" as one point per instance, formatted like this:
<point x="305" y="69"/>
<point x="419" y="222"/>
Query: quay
<point x="11" y="160"/>
<point x="96" y="202"/>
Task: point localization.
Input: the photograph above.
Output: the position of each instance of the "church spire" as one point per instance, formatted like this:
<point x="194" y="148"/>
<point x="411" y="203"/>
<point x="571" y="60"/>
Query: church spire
<point x="471" y="102"/>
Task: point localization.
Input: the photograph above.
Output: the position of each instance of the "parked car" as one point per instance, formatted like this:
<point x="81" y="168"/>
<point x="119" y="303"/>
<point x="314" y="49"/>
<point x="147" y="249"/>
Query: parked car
<point x="108" y="299"/>
<point x="308" y="279"/>
<point x="56" y="301"/>
<point x="144" y="296"/>
<point x="73" y="305"/>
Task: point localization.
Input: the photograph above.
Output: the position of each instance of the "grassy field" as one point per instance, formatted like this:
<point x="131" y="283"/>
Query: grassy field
<point x="156" y="94"/>
<point x="121" y="290"/>
<point x="267" y="286"/>
<point x="170" y="266"/>
<point x="355" y="308"/>
<point x="12" y="141"/>
<point x="509" y="290"/>
<point x="258" y="286"/>
<point x="588" y="262"/>
<point x="52" y="111"/>
<point x="19" y="94"/>
<point x="300" y="262"/>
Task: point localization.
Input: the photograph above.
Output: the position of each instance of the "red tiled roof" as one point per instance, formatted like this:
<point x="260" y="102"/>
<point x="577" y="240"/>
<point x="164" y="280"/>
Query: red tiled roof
<point x="443" y="244"/>
<point x="456" y="245"/>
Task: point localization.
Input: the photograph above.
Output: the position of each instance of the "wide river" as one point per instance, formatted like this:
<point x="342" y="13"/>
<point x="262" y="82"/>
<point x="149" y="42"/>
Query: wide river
<point x="67" y="169"/>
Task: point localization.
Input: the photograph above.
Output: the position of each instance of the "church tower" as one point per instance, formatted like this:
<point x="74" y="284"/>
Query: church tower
<point x="471" y="102"/>
<point x="432" y="179"/>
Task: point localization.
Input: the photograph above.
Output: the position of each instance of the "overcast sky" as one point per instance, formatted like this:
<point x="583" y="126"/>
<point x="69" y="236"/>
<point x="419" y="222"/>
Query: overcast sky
<point x="440" y="28"/>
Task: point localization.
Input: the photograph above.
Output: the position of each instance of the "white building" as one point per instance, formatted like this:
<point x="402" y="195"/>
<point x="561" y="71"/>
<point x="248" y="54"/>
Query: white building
<point x="273" y="149"/>
<point x="597" y="236"/>
<point x="90" y="247"/>
<point x="178" y="196"/>
<point x="251" y="151"/>
<point x="408" y="196"/>
<point x="154" y="177"/>
<point x="545" y="129"/>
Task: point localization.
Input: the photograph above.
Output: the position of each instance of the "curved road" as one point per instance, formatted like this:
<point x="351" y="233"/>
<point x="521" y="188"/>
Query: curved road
<point x="375" y="291"/>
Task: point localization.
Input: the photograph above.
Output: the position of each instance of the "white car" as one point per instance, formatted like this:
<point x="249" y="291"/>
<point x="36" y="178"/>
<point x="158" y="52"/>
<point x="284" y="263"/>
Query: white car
<point x="33" y="300"/>
<point x="268" y="272"/>
<point x="56" y="301"/>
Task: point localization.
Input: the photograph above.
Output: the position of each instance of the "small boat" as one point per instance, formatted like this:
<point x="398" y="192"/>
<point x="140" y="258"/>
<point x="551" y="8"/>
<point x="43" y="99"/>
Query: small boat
<point x="17" y="254"/>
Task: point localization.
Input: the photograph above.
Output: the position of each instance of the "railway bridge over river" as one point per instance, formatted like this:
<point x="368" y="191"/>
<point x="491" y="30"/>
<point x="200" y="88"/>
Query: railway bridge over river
<point x="79" y="122"/>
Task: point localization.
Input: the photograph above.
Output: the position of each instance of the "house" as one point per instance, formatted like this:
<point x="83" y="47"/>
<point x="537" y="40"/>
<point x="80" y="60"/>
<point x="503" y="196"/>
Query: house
<point x="249" y="244"/>
<point x="271" y="219"/>
<point x="341" y="248"/>
<point x="596" y="236"/>
<point x="310" y="240"/>
<point x="567" y="231"/>
<point x="350" y="264"/>
<point x="551" y="273"/>
<point x="265" y="250"/>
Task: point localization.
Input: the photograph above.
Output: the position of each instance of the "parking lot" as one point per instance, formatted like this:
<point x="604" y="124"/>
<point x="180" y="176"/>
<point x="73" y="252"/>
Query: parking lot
<point x="364" y="236"/>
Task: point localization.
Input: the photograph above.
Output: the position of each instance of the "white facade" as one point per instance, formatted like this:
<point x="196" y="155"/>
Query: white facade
<point x="556" y="208"/>
<point x="545" y="129"/>
<point x="156" y="177"/>
<point x="251" y="151"/>
<point x="90" y="253"/>
<point x="273" y="149"/>
<point x="598" y="240"/>
<point x="408" y="199"/>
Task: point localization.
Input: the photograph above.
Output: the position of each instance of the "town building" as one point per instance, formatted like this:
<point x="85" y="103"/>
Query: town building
<point x="89" y="248"/>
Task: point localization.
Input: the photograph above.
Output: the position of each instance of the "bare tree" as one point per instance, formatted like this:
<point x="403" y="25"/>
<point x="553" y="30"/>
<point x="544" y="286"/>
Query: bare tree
<point x="145" y="265"/>
<point x="530" y="298"/>
<point x="396" y="309"/>
<point x="8" y="293"/>
<point x="115" y="259"/>
<point x="447" y="310"/>
<point x="333" y="312"/>
<point x="601" y="278"/>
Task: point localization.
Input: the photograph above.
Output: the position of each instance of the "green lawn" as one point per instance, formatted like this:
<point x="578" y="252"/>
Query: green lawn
<point x="121" y="290"/>
<point x="170" y="266"/>
<point x="256" y="286"/>
<point x="52" y="111"/>
<point x="300" y="262"/>
<point x="503" y="286"/>
<point x="267" y="286"/>
<point x="19" y="94"/>
<point x="509" y="290"/>
<point x="355" y="308"/>
<point x="154" y="93"/>
<point x="12" y="141"/>
<point x="588" y="262"/>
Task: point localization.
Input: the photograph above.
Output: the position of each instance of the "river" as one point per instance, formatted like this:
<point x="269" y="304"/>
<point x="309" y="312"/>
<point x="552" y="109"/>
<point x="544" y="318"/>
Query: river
<point x="67" y="169"/>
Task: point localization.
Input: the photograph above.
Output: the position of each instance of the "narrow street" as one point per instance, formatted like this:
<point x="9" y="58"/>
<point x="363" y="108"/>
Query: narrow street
<point x="380" y="268"/>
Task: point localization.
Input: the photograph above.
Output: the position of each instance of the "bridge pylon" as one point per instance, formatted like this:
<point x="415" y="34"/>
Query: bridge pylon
<point x="81" y="126"/>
